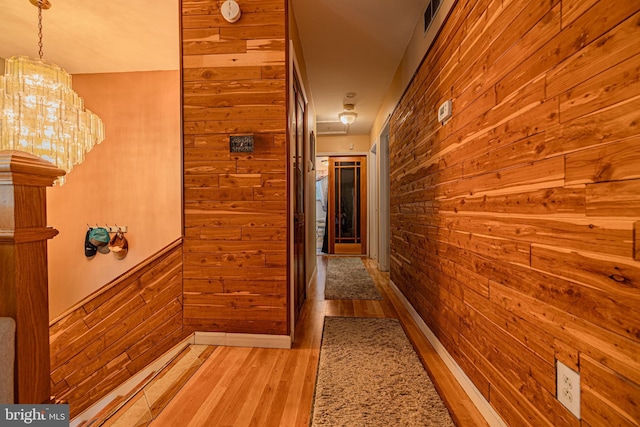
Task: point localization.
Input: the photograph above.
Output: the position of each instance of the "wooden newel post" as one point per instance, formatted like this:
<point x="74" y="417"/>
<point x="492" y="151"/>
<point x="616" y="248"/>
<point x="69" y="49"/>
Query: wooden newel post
<point x="24" y="293"/>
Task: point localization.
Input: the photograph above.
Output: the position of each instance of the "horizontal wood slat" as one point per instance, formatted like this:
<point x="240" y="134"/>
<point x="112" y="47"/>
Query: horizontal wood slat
<point x="235" y="204"/>
<point x="514" y="225"/>
<point x="111" y="335"/>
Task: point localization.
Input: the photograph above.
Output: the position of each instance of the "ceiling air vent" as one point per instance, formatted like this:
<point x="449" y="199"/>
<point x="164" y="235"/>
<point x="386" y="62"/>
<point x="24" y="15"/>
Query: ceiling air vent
<point x="430" y="13"/>
<point x="331" y="128"/>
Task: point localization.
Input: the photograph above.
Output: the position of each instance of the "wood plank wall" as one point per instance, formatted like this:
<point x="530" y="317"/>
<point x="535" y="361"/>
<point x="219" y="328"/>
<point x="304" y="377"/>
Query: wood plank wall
<point x="235" y="205"/>
<point x="513" y="224"/>
<point x="113" y="334"/>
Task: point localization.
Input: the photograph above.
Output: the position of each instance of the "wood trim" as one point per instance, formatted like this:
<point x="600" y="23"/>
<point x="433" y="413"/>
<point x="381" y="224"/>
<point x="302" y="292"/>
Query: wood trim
<point x="347" y="249"/>
<point x="20" y="168"/>
<point x="27" y="235"/>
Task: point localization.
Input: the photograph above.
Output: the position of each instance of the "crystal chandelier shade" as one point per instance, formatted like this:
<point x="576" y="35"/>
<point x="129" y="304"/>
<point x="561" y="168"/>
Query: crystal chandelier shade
<point x="42" y="115"/>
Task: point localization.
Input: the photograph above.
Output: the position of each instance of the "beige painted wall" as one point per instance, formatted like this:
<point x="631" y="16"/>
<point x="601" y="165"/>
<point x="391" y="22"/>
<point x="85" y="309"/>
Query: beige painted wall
<point x="342" y="144"/>
<point x="133" y="178"/>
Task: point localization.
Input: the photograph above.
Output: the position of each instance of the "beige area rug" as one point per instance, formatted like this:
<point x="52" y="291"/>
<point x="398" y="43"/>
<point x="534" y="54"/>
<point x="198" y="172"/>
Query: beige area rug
<point x="369" y="375"/>
<point x="348" y="279"/>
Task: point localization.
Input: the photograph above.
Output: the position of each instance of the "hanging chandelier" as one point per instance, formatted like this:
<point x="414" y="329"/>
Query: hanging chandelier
<point x="40" y="112"/>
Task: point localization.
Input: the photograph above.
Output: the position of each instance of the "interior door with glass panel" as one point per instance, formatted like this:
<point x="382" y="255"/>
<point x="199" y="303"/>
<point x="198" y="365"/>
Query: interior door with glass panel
<point x="347" y="205"/>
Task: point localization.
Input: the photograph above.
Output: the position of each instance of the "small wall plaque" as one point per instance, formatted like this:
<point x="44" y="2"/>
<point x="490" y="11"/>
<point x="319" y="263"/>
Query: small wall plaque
<point x="241" y="144"/>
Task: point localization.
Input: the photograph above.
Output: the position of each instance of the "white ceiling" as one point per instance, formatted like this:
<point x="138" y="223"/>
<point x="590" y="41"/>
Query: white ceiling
<point x="88" y="36"/>
<point x="348" y="45"/>
<point x="354" y="46"/>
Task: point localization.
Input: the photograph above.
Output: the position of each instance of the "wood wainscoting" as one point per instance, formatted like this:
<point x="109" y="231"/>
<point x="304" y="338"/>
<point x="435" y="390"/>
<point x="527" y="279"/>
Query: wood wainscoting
<point x="235" y="204"/>
<point x="117" y="331"/>
<point x="512" y="225"/>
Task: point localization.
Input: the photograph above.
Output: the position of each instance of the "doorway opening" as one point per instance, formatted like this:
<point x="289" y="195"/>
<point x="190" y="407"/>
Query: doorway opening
<point x="322" y="202"/>
<point x="341" y="205"/>
<point x="384" y="224"/>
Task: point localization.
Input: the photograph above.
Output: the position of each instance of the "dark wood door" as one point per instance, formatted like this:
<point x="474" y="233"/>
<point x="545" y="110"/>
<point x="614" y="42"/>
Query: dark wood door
<point x="299" y="272"/>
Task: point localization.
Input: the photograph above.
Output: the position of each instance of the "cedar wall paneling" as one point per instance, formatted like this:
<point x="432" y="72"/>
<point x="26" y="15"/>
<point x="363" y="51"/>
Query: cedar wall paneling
<point x="118" y="331"/>
<point x="512" y="225"/>
<point x="235" y="205"/>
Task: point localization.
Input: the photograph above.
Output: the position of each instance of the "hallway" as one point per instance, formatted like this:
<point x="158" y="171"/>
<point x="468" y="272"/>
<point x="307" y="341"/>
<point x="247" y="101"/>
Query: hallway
<point x="272" y="387"/>
<point x="504" y="195"/>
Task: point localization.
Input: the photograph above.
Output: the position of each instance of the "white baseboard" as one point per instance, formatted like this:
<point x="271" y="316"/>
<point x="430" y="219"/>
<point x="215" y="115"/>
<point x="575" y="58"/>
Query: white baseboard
<point x="485" y="408"/>
<point x="131" y="383"/>
<point x="242" y="340"/>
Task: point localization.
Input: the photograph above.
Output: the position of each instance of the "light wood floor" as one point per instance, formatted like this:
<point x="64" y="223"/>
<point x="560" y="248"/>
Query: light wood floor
<point x="270" y="387"/>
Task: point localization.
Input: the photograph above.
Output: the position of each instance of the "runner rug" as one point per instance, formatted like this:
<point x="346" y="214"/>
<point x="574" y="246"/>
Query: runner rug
<point x="369" y="375"/>
<point x="347" y="278"/>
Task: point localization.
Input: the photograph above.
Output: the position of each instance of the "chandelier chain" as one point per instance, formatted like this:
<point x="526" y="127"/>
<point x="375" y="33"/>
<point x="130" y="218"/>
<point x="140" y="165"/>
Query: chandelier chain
<point x="40" y="113"/>
<point x="40" y="31"/>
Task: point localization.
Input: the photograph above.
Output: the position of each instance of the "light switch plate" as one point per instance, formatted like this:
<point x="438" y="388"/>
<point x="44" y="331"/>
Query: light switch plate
<point x="568" y="388"/>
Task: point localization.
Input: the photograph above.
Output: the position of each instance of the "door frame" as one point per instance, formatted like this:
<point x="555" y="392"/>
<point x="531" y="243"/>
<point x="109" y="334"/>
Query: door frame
<point x="383" y="177"/>
<point x="372" y="188"/>
<point x="294" y="69"/>
<point x="363" y="216"/>
<point x="368" y="156"/>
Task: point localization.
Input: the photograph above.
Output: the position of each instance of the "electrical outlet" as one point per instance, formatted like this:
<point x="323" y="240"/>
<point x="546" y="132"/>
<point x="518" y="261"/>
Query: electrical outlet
<point x="568" y="388"/>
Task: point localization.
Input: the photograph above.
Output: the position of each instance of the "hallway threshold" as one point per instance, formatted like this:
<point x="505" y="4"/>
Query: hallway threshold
<point x="274" y="387"/>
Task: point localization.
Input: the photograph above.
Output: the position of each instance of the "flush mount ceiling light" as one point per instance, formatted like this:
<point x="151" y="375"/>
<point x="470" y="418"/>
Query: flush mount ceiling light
<point x="348" y="117"/>
<point x="41" y="114"/>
